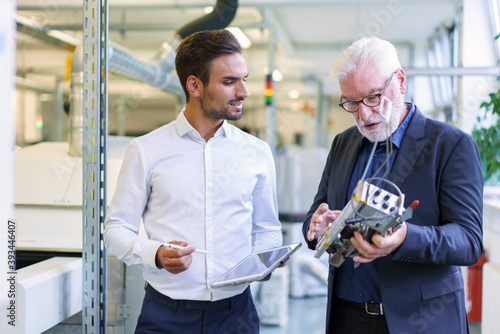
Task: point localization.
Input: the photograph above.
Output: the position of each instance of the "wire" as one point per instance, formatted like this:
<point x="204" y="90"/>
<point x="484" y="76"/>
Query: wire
<point x="367" y="165"/>
<point x="387" y="162"/>
<point x="387" y="108"/>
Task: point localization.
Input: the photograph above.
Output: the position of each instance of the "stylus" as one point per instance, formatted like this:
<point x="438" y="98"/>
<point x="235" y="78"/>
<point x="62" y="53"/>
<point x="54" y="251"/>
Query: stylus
<point x="181" y="247"/>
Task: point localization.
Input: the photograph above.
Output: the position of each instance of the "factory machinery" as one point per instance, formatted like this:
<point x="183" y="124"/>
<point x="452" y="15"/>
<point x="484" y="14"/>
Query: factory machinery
<point x="48" y="211"/>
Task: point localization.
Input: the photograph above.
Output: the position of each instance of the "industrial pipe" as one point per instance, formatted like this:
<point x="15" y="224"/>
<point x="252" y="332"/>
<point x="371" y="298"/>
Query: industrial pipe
<point x="121" y="61"/>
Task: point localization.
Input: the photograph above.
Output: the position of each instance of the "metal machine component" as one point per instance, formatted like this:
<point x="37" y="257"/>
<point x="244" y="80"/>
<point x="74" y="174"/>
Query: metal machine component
<point x="372" y="209"/>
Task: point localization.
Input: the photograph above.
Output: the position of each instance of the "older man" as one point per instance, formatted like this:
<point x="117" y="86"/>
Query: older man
<point x="409" y="281"/>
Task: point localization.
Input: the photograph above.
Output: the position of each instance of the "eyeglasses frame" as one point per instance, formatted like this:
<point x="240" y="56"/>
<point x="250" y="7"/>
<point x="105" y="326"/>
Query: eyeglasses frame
<point x="379" y="95"/>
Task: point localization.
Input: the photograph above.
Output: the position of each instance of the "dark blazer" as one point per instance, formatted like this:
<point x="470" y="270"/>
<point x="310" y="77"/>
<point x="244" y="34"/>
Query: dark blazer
<point x="421" y="282"/>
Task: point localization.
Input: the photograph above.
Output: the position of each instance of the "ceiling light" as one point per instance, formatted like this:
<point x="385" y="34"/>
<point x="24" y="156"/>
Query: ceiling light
<point x="208" y="10"/>
<point x="277" y="76"/>
<point x="241" y="37"/>
<point x="294" y="94"/>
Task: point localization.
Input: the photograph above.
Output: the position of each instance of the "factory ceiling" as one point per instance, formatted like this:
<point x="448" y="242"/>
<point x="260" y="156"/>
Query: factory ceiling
<point x="308" y="35"/>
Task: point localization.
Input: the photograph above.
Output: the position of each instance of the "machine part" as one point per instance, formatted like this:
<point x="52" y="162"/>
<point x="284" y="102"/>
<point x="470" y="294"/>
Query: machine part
<point x="122" y="311"/>
<point x="305" y="277"/>
<point x="271" y="298"/>
<point x="372" y="209"/>
<point x="316" y="269"/>
<point x="47" y="293"/>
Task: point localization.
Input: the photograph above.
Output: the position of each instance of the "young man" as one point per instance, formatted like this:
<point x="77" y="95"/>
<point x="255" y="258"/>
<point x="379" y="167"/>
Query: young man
<point x="197" y="182"/>
<point x="409" y="281"/>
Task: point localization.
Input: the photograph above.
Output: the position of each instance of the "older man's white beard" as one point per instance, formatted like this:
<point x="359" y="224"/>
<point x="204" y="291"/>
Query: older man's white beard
<point x="379" y="134"/>
<point x="384" y="131"/>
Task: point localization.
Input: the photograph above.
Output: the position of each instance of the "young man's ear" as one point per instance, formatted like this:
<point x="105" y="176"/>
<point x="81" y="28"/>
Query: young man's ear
<point x="193" y="86"/>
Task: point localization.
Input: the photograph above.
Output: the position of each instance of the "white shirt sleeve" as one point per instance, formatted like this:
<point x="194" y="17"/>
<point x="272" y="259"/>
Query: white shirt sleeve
<point x="125" y="212"/>
<point x="266" y="229"/>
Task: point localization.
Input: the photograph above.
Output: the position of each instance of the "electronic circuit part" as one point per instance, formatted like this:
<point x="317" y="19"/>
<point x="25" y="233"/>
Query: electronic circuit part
<point x="372" y="209"/>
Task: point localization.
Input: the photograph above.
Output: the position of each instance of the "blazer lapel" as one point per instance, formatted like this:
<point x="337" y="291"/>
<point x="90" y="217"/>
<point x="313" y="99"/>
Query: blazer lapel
<point x="343" y="171"/>
<point x="410" y="150"/>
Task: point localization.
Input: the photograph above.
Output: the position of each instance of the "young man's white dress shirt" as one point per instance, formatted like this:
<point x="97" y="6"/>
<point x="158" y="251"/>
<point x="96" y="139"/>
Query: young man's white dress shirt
<point x="219" y="196"/>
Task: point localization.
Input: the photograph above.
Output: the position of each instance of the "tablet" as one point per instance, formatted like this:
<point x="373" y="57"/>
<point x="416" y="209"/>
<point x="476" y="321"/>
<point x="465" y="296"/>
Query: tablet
<point x="256" y="266"/>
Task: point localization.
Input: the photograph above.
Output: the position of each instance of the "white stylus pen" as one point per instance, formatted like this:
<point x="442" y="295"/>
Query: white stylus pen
<point x="182" y="247"/>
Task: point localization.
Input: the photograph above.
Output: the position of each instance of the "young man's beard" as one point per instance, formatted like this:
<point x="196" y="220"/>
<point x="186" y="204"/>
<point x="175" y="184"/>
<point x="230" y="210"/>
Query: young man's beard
<point x="218" y="113"/>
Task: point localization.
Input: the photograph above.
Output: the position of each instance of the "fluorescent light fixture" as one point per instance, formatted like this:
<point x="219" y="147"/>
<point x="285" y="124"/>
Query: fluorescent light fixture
<point x="294" y="94"/>
<point x="277" y="76"/>
<point x="241" y="37"/>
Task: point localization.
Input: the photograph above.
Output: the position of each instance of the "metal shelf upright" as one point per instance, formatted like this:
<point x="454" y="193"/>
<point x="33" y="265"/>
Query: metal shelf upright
<point x="95" y="133"/>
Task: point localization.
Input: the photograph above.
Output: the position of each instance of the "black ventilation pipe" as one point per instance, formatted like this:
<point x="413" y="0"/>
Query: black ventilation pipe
<point x="223" y="13"/>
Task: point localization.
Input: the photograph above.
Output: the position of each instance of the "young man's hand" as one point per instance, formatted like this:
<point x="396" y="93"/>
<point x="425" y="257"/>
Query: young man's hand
<point x="174" y="260"/>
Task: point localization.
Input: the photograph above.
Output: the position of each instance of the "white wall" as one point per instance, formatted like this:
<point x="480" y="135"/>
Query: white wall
<point x="478" y="51"/>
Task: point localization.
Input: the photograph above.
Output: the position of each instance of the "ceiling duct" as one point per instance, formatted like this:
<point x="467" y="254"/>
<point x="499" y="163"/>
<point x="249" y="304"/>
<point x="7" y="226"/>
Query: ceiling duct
<point x="42" y="33"/>
<point x="219" y="18"/>
<point x="158" y="74"/>
<point x="124" y="63"/>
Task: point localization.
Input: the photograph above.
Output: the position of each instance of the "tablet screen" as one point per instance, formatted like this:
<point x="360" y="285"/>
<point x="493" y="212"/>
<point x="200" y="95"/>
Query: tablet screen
<point x="256" y="266"/>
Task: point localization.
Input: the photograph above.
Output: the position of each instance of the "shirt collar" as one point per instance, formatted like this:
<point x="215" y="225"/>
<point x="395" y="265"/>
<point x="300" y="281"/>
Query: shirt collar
<point x="397" y="136"/>
<point x="223" y="130"/>
<point x="183" y="127"/>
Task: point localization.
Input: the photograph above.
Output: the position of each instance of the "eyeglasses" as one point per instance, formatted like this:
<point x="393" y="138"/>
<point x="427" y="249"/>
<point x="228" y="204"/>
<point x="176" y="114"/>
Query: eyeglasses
<point x="371" y="100"/>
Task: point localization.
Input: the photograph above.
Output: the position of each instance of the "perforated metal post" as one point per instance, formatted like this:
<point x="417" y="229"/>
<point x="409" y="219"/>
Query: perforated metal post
<point x="95" y="106"/>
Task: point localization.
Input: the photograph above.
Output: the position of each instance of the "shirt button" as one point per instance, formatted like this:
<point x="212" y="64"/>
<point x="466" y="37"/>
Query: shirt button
<point x="360" y="294"/>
